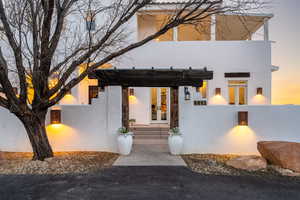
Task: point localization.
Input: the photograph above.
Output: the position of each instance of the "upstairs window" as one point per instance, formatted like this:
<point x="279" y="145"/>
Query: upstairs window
<point x="90" y="20"/>
<point x="237" y="92"/>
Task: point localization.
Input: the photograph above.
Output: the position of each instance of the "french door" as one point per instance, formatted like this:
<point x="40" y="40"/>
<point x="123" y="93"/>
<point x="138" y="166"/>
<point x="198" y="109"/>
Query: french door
<point x="159" y="105"/>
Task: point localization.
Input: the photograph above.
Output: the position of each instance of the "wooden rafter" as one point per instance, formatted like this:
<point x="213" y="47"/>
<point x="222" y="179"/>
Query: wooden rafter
<point x="152" y="77"/>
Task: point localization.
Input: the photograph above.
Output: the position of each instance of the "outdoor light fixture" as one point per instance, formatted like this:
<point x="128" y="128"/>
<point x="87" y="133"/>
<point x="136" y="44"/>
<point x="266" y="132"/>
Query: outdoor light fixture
<point x="69" y="92"/>
<point x="259" y="91"/>
<point x="218" y="91"/>
<point x="101" y="89"/>
<point x="131" y="92"/>
<point x="187" y="94"/>
<point x="15" y="89"/>
<point x="243" y="118"/>
<point x="55" y="116"/>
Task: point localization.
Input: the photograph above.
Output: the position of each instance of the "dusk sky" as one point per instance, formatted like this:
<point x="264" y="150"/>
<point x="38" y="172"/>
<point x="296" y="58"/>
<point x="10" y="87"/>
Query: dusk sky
<point x="285" y="31"/>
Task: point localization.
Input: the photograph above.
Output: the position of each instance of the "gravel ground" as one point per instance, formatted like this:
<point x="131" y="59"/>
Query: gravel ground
<point x="61" y="163"/>
<point x="215" y="164"/>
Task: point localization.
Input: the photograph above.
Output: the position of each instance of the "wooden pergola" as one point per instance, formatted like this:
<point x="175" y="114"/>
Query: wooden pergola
<point x="172" y="78"/>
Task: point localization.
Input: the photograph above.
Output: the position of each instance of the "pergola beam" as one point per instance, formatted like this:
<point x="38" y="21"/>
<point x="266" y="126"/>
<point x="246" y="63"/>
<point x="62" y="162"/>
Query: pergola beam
<point x="152" y="77"/>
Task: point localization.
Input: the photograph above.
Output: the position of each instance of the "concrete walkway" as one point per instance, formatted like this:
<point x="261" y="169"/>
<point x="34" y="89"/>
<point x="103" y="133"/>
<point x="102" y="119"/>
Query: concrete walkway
<point x="150" y="153"/>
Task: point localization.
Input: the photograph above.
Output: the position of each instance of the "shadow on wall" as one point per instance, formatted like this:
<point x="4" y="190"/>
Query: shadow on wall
<point x="239" y="140"/>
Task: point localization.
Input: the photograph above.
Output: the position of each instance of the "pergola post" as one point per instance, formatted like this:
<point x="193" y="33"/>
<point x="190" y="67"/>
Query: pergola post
<point x="174" y="108"/>
<point x="125" y="107"/>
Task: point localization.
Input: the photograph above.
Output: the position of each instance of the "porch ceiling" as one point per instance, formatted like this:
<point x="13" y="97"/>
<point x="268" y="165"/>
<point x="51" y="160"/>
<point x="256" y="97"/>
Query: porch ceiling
<point x="152" y="77"/>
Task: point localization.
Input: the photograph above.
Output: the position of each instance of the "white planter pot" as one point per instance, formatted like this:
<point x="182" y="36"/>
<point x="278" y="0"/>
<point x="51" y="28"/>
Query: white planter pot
<point x="175" y="144"/>
<point x="125" y="144"/>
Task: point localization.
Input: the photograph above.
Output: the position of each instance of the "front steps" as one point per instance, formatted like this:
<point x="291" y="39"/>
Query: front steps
<point x="150" y="132"/>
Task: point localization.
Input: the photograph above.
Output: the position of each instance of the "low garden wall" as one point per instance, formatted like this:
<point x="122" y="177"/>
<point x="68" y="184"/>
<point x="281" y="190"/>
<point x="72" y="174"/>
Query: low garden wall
<point x="214" y="129"/>
<point x="83" y="128"/>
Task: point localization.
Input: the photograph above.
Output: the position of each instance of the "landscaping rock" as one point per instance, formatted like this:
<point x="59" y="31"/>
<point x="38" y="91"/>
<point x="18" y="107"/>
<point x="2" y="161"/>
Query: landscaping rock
<point x="284" y="154"/>
<point x="250" y="163"/>
<point x="284" y="172"/>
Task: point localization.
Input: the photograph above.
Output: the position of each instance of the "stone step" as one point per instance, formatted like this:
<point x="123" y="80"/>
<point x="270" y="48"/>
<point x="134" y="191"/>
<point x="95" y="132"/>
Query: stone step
<point x="150" y="136"/>
<point x="150" y="132"/>
<point x="149" y="129"/>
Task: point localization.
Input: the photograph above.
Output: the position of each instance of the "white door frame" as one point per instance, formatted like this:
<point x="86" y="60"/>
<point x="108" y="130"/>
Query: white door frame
<point x="159" y="121"/>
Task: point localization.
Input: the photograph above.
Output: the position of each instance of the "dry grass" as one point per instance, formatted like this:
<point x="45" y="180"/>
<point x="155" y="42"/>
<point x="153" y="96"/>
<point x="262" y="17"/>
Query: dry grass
<point x="62" y="163"/>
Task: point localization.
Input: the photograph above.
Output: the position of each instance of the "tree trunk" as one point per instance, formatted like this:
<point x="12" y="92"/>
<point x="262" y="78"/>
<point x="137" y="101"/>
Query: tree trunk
<point x="36" y="131"/>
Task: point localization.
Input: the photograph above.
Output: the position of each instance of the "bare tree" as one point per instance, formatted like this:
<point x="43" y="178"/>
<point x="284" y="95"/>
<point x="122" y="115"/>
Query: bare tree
<point x="42" y="39"/>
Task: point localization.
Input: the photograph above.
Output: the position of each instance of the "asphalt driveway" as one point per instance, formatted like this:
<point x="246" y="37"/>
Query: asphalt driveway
<point x="147" y="183"/>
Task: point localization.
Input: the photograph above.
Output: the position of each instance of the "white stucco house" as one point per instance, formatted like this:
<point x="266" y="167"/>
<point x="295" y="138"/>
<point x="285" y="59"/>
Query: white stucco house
<point x="236" y="52"/>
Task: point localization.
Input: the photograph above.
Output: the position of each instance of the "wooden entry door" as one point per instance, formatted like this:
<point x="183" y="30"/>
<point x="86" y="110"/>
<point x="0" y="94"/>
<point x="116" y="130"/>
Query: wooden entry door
<point x="160" y="105"/>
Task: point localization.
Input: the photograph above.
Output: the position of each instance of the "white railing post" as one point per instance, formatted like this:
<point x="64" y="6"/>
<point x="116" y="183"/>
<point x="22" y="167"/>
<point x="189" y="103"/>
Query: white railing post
<point x="213" y="26"/>
<point x="266" y="29"/>
<point x="175" y="33"/>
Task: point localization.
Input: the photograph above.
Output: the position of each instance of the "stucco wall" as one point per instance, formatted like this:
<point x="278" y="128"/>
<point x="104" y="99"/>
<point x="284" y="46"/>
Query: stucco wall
<point x="84" y="127"/>
<point x="219" y="56"/>
<point x="213" y="129"/>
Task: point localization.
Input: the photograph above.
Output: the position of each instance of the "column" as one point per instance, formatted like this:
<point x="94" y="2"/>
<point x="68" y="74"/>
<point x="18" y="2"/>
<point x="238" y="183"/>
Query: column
<point x="125" y="107"/>
<point x="174" y="108"/>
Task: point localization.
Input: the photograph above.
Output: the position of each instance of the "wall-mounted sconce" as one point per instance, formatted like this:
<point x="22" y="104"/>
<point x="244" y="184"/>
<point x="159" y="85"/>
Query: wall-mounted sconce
<point x="218" y="91"/>
<point x="55" y="116"/>
<point x="131" y="92"/>
<point x="101" y="89"/>
<point x="259" y="91"/>
<point x="15" y="89"/>
<point x="243" y="118"/>
<point x="187" y="94"/>
<point x="69" y="92"/>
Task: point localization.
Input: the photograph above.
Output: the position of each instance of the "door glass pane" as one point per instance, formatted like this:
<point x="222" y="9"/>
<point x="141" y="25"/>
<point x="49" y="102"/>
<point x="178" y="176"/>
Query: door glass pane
<point x="242" y="95"/>
<point x="154" y="103"/>
<point x="203" y="90"/>
<point x="231" y="95"/>
<point x="163" y="100"/>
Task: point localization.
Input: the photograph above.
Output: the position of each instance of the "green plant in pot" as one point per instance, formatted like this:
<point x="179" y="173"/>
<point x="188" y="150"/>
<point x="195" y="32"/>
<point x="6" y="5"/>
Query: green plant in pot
<point x="125" y="141"/>
<point x="175" y="141"/>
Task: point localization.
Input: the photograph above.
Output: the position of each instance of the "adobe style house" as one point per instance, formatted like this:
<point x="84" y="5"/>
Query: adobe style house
<point x="212" y="80"/>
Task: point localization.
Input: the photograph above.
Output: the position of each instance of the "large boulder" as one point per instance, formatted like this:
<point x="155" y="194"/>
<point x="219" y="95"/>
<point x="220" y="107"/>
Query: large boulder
<point x="250" y="163"/>
<point x="284" y="154"/>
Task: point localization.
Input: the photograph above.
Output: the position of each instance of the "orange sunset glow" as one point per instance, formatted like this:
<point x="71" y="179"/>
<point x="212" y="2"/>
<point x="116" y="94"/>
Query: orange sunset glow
<point x="285" y="31"/>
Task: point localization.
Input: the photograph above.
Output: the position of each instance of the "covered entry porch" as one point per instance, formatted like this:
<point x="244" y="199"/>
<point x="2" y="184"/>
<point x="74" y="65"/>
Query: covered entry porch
<point x="154" y="78"/>
<point x="151" y="151"/>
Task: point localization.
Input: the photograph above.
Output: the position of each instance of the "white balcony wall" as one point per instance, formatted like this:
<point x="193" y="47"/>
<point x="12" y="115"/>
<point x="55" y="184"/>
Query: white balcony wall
<point x="219" y="56"/>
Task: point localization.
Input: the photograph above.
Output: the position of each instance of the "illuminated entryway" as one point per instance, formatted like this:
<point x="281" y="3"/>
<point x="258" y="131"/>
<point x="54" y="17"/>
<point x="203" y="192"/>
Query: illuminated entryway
<point x="160" y="98"/>
<point x="161" y="79"/>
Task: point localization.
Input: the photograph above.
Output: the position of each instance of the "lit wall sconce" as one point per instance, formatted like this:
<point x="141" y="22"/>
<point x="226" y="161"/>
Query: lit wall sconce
<point x="15" y="89"/>
<point x="259" y="91"/>
<point x="55" y="116"/>
<point x="218" y="91"/>
<point x="131" y="92"/>
<point x="187" y="94"/>
<point x="243" y="118"/>
<point x="69" y="92"/>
